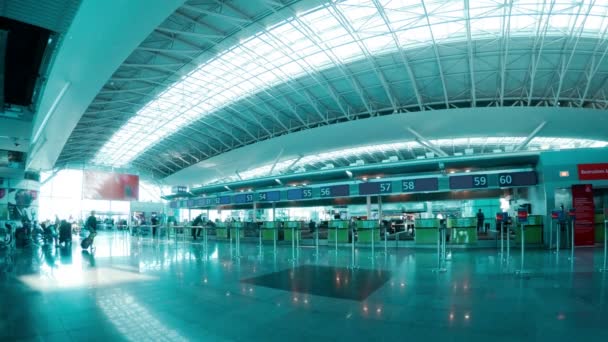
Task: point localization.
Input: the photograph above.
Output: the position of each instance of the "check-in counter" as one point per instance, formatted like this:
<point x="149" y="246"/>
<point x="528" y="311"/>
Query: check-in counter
<point x="463" y="230"/>
<point x="365" y="229"/>
<point x="600" y="228"/>
<point x="534" y="231"/>
<point x="237" y="225"/>
<point x="292" y="228"/>
<point x="339" y="229"/>
<point x="221" y="231"/>
<point x="427" y="231"/>
<point x="269" y="229"/>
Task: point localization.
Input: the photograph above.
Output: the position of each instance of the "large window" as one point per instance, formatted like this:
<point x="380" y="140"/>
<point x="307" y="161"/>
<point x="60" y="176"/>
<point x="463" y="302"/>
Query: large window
<point x="61" y="195"/>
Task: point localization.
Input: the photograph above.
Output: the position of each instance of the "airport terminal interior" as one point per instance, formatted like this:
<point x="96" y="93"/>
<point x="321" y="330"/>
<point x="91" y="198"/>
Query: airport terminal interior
<point x="296" y="170"/>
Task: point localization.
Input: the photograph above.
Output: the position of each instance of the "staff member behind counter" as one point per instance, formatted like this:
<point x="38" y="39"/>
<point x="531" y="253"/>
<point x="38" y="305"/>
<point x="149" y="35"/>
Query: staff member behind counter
<point x="480" y="218"/>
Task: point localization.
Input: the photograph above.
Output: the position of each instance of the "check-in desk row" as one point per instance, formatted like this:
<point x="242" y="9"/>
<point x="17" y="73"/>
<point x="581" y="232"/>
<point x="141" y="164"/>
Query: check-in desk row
<point x="463" y="231"/>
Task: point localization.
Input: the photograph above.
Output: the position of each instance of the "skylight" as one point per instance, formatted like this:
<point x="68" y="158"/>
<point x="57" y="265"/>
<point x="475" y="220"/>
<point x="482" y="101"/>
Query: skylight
<point x="335" y="33"/>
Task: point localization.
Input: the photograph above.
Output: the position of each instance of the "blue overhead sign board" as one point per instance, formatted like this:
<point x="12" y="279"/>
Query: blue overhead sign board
<point x="406" y="185"/>
<point x="242" y="198"/>
<point x="299" y="194"/>
<point x="420" y="184"/>
<point x="374" y="188"/>
<point x="510" y="179"/>
<point x="334" y="191"/>
<point x="269" y="196"/>
<point x="468" y="182"/>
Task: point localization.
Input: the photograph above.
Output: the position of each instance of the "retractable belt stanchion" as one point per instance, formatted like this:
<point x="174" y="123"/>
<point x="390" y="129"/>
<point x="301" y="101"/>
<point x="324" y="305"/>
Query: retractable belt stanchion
<point x="205" y="238"/>
<point x="556" y="218"/>
<point x="386" y="241"/>
<point x="293" y="245"/>
<point x="260" y="242"/>
<point x="500" y="219"/>
<point x="238" y="241"/>
<point x="441" y="237"/>
<point x="230" y="236"/>
<point x="373" y="247"/>
<point x="551" y="234"/>
<point x="508" y="237"/>
<point x="336" y="230"/>
<point x="557" y="238"/>
<point x="572" y="215"/>
<point x="522" y="218"/>
<point x="605" y="268"/>
<point x="317" y="241"/>
<point x="502" y="242"/>
<point x="298" y="232"/>
<point x="352" y="260"/>
<point x="274" y="229"/>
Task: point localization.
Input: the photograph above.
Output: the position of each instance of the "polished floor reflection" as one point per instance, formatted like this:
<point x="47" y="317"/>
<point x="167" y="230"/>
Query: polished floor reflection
<point x="143" y="290"/>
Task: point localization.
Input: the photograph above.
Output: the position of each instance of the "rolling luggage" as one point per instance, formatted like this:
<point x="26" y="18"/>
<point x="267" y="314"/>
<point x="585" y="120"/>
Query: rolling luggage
<point x="86" y="243"/>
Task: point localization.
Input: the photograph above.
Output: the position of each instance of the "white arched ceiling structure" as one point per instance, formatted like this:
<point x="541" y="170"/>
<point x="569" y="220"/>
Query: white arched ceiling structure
<point x="213" y="78"/>
<point x="482" y="129"/>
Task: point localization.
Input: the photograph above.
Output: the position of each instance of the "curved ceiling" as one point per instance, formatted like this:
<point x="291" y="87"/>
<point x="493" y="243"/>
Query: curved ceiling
<point x="213" y="78"/>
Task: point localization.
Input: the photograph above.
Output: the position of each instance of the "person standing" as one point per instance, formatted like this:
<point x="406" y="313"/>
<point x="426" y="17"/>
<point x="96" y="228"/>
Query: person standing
<point x="91" y="223"/>
<point x="480" y="219"/>
<point x="312" y="226"/>
<point x="196" y="232"/>
<point x="154" y="221"/>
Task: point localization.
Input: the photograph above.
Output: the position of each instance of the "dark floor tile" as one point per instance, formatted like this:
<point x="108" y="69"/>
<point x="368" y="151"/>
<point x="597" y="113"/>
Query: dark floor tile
<point x="335" y="282"/>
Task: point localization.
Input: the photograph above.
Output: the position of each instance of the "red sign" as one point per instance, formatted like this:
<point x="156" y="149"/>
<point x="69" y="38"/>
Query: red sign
<point x="499" y="217"/>
<point x="522" y="215"/>
<point x="582" y="202"/>
<point x="593" y="171"/>
<point x="110" y="186"/>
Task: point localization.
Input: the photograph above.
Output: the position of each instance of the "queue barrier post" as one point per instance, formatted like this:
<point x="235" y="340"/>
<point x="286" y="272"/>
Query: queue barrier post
<point x="605" y="268"/>
<point x="440" y="248"/>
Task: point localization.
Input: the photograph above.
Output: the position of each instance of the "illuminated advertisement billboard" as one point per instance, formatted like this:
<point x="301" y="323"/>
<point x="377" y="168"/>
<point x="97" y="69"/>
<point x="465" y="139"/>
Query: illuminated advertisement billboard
<point x="110" y="186"/>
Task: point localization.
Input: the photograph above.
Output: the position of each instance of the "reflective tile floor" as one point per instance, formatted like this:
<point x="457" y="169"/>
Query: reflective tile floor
<point x="157" y="291"/>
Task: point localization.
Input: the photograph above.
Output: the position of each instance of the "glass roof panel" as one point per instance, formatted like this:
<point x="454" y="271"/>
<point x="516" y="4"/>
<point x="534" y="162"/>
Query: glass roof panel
<point x="320" y="37"/>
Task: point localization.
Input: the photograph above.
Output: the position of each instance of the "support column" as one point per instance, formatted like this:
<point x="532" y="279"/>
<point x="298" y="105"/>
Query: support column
<point x="274" y="207"/>
<point x="369" y="207"/>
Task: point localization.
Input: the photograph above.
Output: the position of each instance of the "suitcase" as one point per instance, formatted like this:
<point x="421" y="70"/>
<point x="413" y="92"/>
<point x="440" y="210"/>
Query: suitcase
<point x="86" y="243"/>
<point x="65" y="233"/>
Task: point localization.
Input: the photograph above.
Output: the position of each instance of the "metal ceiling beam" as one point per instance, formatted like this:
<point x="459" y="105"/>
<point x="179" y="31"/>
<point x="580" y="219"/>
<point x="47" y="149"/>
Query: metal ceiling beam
<point x="216" y="14"/>
<point x="425" y="142"/>
<point x="536" y="53"/>
<point x="565" y="64"/>
<point x="404" y="59"/>
<point x="440" y="68"/>
<point x="467" y="19"/>
<point x="530" y="137"/>
<point x="505" y="47"/>
<point x="276" y="160"/>
<point x="339" y="16"/>
<point x="594" y="66"/>
<point x="188" y="33"/>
